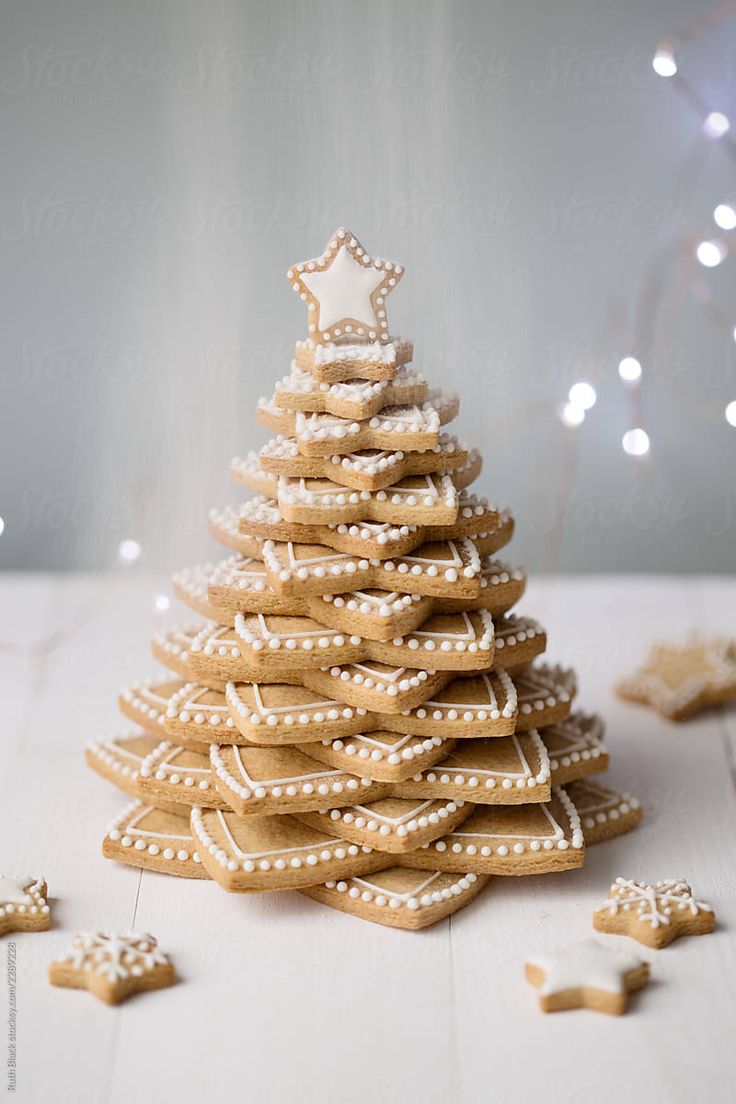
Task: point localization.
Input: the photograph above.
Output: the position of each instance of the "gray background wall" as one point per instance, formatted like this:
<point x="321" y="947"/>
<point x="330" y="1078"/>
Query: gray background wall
<point x="163" y="162"/>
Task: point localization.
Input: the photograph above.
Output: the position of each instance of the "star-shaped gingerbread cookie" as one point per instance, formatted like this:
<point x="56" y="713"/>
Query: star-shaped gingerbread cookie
<point x="679" y="680"/>
<point x="345" y="290"/>
<point x="655" y="914"/>
<point x="23" y="904"/>
<point x="113" y="967"/>
<point x="586" y="975"/>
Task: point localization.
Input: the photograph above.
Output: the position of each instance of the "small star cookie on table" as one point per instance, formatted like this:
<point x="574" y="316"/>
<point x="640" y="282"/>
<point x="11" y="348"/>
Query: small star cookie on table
<point x="113" y="967"/>
<point x="586" y="975"/>
<point x="23" y="904"/>
<point x="345" y="290"/>
<point x="679" y="680"/>
<point x="655" y="914"/>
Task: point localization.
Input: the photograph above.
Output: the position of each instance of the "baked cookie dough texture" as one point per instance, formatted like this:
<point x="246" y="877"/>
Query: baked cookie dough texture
<point x="354" y="708"/>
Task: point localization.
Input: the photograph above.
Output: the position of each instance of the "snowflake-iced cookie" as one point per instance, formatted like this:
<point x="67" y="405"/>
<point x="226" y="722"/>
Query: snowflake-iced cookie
<point x="23" y="904"/>
<point x="345" y="290"/>
<point x="655" y="914"/>
<point x="586" y="975"/>
<point x="680" y="679"/>
<point x="113" y="967"/>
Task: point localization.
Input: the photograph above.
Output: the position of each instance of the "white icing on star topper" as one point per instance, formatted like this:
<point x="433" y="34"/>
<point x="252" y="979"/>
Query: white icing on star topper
<point x="345" y="290"/>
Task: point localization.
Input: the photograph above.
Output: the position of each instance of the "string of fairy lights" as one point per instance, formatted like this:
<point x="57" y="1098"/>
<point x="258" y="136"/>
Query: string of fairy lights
<point x="709" y="251"/>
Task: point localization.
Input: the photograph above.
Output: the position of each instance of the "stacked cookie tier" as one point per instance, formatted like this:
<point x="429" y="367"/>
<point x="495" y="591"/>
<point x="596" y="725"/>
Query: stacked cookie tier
<point x="358" y="711"/>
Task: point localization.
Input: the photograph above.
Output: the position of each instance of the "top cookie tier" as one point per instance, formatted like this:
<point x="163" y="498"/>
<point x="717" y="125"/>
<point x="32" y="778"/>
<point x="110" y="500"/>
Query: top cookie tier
<point x="345" y="290"/>
<point x="338" y="363"/>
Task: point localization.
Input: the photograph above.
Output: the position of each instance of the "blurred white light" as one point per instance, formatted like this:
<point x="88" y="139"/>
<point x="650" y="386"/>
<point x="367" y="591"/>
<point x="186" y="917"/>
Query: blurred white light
<point x="725" y="216"/>
<point x="636" y="442"/>
<point x="582" y="395"/>
<point x="629" y="369"/>
<point x="663" y="64"/>
<point x="2" y="526"/>
<point x="161" y="603"/>
<point x="731" y="413"/>
<point x="572" y="415"/>
<point x="710" y="253"/>
<point x="128" y="551"/>
<point x="734" y="333"/>
<point x="716" y="124"/>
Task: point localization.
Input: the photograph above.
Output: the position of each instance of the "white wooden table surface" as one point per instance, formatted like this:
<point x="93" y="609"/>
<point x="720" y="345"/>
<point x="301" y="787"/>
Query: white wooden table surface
<point x="282" y="999"/>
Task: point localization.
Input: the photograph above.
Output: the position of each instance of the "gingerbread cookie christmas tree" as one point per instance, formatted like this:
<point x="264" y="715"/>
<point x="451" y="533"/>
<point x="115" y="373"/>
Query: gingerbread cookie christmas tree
<point x="357" y="714"/>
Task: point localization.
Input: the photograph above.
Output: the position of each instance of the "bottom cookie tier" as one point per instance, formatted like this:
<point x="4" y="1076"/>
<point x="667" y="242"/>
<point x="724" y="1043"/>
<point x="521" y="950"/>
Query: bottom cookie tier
<point x="401" y="897"/>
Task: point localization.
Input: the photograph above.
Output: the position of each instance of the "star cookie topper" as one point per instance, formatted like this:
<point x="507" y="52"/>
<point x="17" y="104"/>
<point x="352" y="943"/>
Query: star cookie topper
<point x="345" y="290"/>
<point x="678" y="680"/>
<point x="113" y="967"/>
<point x="655" y="914"/>
<point x="586" y="975"/>
<point x="23" y="904"/>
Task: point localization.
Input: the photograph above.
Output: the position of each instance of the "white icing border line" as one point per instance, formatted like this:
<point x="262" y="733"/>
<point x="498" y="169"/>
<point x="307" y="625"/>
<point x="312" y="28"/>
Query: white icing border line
<point x="29" y="886"/>
<point x="124" y="839"/>
<point x="267" y="788"/>
<point x="336" y="851"/>
<point x="410" y="902"/>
